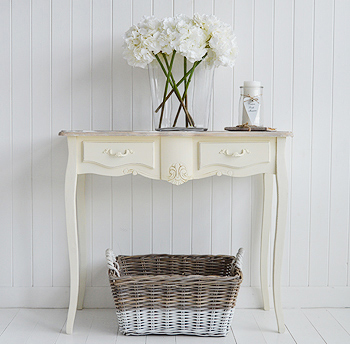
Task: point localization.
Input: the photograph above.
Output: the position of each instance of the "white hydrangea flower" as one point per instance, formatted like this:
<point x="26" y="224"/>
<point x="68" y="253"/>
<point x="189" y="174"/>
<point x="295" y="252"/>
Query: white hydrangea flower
<point x="191" y="41"/>
<point x="141" y="42"/>
<point x="169" y="35"/>
<point x="222" y="47"/>
<point x="182" y="35"/>
<point x="206" y="22"/>
<point x="204" y="35"/>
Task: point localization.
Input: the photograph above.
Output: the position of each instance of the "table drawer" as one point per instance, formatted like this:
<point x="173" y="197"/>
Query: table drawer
<point x="234" y="154"/>
<point x="115" y="154"/>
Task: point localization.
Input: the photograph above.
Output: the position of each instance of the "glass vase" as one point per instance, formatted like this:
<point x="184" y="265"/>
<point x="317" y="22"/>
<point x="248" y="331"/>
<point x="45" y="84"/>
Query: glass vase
<point x="187" y="95"/>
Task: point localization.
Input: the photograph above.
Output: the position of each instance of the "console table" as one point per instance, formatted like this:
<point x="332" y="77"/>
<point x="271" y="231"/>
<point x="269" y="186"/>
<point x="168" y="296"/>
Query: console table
<point x="175" y="157"/>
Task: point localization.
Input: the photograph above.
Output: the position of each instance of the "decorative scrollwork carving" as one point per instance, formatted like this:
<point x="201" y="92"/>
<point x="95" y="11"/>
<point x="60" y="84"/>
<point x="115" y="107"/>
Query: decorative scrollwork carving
<point x="109" y="152"/>
<point x="234" y="154"/>
<point x="130" y="170"/>
<point x="177" y="174"/>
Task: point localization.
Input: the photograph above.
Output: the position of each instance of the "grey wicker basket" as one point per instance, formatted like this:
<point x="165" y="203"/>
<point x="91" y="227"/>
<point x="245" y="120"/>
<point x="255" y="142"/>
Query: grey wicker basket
<point x="175" y="294"/>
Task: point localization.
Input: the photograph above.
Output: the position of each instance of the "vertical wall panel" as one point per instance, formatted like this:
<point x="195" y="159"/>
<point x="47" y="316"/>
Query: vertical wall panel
<point x="162" y="192"/>
<point x="101" y="119"/>
<point x="221" y="216"/>
<point x="142" y="110"/>
<point x="241" y="214"/>
<point x="162" y="8"/>
<point x="101" y="63"/>
<point x="182" y="218"/>
<point x="142" y="120"/>
<point x="202" y="204"/>
<point x="122" y="120"/>
<point x="202" y="189"/>
<point x="223" y="78"/>
<point x="61" y="119"/>
<point x="122" y="72"/>
<point x="301" y="143"/>
<point x="6" y="145"/>
<point x="101" y="227"/>
<point x="41" y="158"/>
<point x="22" y="142"/>
<point x="81" y="65"/>
<point x="142" y="215"/>
<point x="222" y="116"/>
<point x="183" y="7"/>
<point x="339" y="215"/>
<point x="282" y="94"/>
<point x="183" y="194"/>
<point x="203" y="6"/>
<point x="122" y="215"/>
<point x="81" y="96"/>
<point x="263" y="72"/>
<point x="263" y="52"/>
<point x="321" y="143"/>
<point x="202" y="208"/>
<point x="241" y="222"/>
<point x="162" y="217"/>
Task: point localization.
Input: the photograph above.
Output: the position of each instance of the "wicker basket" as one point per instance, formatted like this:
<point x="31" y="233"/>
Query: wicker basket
<point x="175" y="294"/>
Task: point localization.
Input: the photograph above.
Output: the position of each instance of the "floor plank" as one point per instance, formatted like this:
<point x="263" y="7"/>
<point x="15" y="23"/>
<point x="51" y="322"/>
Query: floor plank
<point x="121" y="339"/>
<point x="81" y="331"/>
<point x="49" y="323"/>
<point x="300" y="327"/>
<point x="18" y="330"/>
<point x="245" y="328"/>
<point x="161" y="339"/>
<point x="6" y="316"/>
<point x="229" y="339"/>
<point x="342" y="315"/>
<point x="267" y="323"/>
<point x="327" y="326"/>
<point x="95" y="326"/>
<point x="34" y="326"/>
<point x="104" y="327"/>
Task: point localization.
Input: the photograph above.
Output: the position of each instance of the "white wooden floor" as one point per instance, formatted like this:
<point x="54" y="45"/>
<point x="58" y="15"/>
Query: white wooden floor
<point x="98" y="326"/>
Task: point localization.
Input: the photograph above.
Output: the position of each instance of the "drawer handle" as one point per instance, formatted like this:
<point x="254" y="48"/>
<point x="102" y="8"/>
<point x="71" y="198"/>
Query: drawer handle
<point x="235" y="154"/>
<point x="109" y="152"/>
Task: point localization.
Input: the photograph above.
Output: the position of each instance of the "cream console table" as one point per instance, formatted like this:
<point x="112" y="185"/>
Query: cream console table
<point x="175" y="157"/>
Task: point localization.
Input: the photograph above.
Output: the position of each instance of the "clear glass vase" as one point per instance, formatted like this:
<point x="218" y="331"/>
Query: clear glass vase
<point x="182" y="110"/>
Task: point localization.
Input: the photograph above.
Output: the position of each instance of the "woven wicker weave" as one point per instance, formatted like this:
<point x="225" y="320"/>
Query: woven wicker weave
<point x="175" y="294"/>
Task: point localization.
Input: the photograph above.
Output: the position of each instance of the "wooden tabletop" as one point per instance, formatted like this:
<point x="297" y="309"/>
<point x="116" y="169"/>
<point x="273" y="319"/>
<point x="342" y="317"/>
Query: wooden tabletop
<point x="272" y="133"/>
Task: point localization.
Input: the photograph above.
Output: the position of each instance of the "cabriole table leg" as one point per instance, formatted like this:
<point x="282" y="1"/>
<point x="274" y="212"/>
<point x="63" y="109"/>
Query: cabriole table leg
<point x="265" y="239"/>
<point x="82" y="238"/>
<point x="282" y="198"/>
<point x="72" y="232"/>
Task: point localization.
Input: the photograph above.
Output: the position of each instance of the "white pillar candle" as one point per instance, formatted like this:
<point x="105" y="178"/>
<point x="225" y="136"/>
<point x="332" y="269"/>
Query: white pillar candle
<point x="251" y="89"/>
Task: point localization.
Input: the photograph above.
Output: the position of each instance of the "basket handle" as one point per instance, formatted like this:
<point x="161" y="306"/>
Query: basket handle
<point x="239" y="258"/>
<point x="111" y="260"/>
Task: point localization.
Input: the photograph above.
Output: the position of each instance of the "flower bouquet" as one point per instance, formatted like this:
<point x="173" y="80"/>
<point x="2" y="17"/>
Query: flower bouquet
<point x="176" y="49"/>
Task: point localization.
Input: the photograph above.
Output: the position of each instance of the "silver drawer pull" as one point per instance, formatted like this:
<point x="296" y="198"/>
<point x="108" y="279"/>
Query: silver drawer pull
<point x="235" y="154"/>
<point x="109" y="152"/>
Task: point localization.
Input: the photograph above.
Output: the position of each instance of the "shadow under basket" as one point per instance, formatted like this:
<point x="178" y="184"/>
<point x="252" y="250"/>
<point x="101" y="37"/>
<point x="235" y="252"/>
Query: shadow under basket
<point x="175" y="294"/>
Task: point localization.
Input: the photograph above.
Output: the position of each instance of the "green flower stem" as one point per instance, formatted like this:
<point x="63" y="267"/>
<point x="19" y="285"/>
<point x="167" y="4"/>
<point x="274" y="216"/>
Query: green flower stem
<point x="181" y="80"/>
<point x="172" y="90"/>
<point x="166" y="88"/>
<point x="187" y="83"/>
<point x="177" y="93"/>
<point x="166" y="74"/>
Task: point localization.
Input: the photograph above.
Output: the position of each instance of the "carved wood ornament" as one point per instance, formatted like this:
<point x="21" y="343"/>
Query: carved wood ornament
<point x="177" y="174"/>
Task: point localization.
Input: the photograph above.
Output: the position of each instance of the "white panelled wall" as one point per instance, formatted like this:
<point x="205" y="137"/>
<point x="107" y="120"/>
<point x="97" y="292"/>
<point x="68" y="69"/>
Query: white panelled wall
<point x="62" y="68"/>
